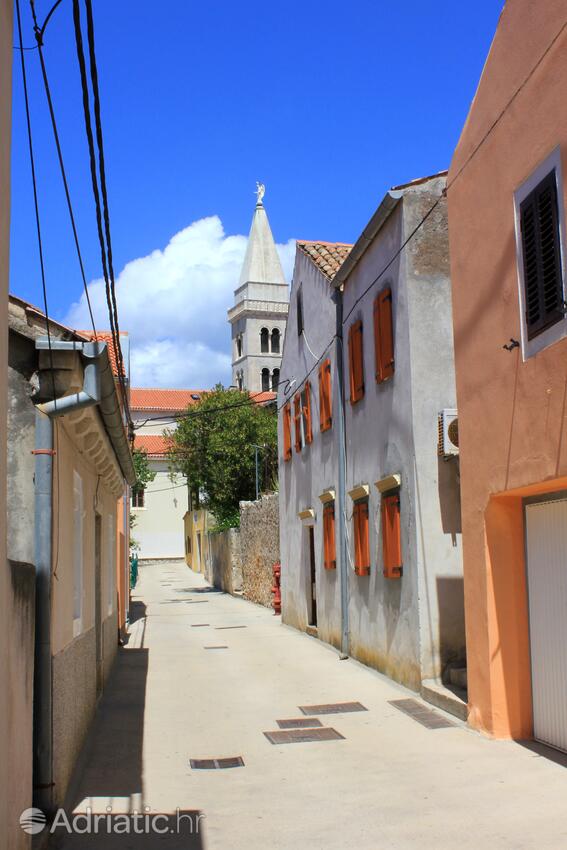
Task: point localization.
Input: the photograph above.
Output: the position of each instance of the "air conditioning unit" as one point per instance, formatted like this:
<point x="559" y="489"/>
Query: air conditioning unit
<point x="448" y="424"/>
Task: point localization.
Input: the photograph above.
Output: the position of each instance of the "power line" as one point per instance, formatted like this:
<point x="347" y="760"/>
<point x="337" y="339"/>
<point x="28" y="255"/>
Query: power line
<point x="39" y="37"/>
<point x="105" y="247"/>
<point x="395" y="257"/>
<point x="437" y="202"/>
<point x="102" y="175"/>
<point x="42" y="268"/>
<point x="35" y="196"/>
<point x="248" y="402"/>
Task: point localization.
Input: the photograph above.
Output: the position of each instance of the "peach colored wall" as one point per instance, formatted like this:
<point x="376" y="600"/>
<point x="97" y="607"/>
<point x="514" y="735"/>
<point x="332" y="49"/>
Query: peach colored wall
<point x="96" y="496"/>
<point x="511" y="413"/>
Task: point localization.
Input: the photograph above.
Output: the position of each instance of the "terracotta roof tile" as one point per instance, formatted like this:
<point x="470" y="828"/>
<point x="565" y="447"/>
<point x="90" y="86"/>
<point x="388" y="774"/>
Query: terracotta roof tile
<point x="106" y="336"/>
<point x="263" y="398"/>
<point x="151" y="398"/>
<point x="154" y="444"/>
<point x="327" y="256"/>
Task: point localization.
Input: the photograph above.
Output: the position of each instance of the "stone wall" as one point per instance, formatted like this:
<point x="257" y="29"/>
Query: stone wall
<point x="223" y="567"/>
<point x="260" y="547"/>
<point x="241" y="560"/>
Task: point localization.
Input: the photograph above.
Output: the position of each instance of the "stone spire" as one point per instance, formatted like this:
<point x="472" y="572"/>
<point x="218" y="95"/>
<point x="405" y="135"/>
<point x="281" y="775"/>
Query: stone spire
<point x="261" y="261"/>
<point x="259" y="315"/>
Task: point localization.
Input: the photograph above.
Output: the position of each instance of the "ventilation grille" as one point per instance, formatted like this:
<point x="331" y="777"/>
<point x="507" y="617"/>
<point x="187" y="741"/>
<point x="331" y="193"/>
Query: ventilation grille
<point x="332" y="708"/>
<point x="303" y="736"/>
<point x="420" y="713"/>
<point x="299" y="723"/>
<point x="216" y="764"/>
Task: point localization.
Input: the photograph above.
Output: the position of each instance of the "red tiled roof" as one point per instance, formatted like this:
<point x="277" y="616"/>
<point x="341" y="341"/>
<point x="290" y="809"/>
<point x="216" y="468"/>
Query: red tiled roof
<point x="154" y="444"/>
<point x="263" y="398"/>
<point x="150" y="398"/>
<point x="327" y="256"/>
<point x="106" y="336"/>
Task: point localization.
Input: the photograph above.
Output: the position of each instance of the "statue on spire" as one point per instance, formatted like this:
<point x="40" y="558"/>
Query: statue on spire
<point x="260" y="192"/>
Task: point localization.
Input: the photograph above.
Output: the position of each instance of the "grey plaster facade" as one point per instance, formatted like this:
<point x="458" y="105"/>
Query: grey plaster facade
<point x="410" y="627"/>
<point x="259" y="316"/>
<point x="72" y="651"/>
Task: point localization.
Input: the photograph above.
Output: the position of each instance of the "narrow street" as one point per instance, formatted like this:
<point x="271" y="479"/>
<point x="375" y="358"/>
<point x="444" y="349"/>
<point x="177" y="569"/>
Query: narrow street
<point x="391" y="783"/>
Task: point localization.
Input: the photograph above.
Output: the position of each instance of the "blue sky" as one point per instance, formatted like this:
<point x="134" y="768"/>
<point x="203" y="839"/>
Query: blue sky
<point x="328" y="103"/>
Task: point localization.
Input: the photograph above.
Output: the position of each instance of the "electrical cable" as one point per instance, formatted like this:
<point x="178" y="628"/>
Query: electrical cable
<point x="110" y="300"/>
<point x="35" y="197"/>
<point x="438" y="201"/>
<point x="248" y="402"/>
<point x="44" y="289"/>
<point x="39" y="37"/>
<point x="102" y="176"/>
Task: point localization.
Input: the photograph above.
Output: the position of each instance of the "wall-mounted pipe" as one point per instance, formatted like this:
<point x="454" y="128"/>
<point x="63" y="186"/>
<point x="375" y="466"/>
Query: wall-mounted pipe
<point x="98" y="388"/>
<point x="42" y="702"/>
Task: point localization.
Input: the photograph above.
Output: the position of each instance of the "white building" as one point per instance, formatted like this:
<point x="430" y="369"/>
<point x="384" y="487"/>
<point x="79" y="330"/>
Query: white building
<point x="160" y="508"/>
<point x="259" y="315"/>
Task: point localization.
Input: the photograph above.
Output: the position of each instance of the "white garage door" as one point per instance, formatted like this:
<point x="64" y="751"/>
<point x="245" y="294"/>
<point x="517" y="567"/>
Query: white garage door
<point x="546" y="535"/>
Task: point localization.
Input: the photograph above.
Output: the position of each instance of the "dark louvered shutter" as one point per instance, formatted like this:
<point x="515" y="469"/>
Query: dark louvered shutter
<point x="543" y="284"/>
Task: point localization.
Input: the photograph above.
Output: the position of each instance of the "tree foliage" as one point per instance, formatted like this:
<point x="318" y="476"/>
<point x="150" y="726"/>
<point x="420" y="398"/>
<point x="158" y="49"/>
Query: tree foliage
<point x="144" y="473"/>
<point x="213" y="446"/>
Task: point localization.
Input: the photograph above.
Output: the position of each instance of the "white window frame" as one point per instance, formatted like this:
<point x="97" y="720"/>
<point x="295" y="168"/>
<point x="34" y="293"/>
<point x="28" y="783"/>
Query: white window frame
<point x="111" y="566"/>
<point x="558" y="331"/>
<point x="78" y="553"/>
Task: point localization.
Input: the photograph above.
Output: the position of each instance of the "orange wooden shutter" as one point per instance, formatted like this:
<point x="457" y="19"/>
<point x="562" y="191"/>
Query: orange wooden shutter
<point x="325" y="407"/>
<point x="297" y="421"/>
<point x="361" y="539"/>
<point x="329" y="536"/>
<point x="391" y="536"/>
<point x="383" y="336"/>
<point x="307" y="426"/>
<point x="287" y="431"/>
<point x="356" y="368"/>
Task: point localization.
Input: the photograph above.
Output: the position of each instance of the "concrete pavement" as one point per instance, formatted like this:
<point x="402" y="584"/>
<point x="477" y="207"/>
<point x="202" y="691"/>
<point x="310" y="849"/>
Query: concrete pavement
<point x="391" y="783"/>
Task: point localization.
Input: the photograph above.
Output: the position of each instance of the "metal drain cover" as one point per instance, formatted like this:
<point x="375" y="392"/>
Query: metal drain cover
<point x="332" y="708"/>
<point x="215" y="647"/>
<point x="299" y="723"/>
<point x="303" y="736"/>
<point x="216" y="764"/>
<point x="426" y="716"/>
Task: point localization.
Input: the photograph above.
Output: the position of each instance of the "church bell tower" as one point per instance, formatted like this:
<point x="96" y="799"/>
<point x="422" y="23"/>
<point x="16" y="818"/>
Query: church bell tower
<point x="259" y="316"/>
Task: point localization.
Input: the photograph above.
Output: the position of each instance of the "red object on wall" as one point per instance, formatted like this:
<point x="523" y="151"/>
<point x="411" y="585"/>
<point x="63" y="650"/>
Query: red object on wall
<point x="276" y="590"/>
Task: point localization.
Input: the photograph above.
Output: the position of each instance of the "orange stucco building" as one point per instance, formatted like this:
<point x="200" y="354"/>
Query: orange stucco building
<point x="507" y="195"/>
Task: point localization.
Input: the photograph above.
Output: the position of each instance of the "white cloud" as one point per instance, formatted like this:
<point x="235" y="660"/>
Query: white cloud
<point x="173" y="304"/>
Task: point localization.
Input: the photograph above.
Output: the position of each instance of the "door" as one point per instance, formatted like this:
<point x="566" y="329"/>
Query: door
<point x="312" y="578"/>
<point x="546" y="550"/>
<point x="98" y="604"/>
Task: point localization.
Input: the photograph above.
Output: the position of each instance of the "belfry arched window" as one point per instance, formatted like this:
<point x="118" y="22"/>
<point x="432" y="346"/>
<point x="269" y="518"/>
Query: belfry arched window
<point x="239" y="345"/>
<point x="264" y="340"/>
<point x="265" y="380"/>
<point x="275" y="380"/>
<point x="275" y="341"/>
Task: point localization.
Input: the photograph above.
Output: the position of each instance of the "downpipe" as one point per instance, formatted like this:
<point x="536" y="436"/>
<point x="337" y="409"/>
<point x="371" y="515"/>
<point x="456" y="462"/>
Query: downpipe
<point x="341" y="491"/>
<point x="44" y="792"/>
<point x="43" y="795"/>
